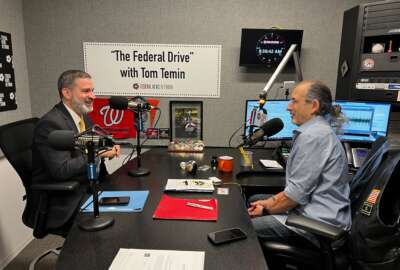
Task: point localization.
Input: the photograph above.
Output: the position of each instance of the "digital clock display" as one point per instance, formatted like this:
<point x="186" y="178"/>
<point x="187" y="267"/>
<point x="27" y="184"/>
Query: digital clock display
<point x="271" y="48"/>
<point x="267" y="47"/>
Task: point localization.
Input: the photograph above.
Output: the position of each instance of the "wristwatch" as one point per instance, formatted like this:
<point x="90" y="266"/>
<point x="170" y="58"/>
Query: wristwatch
<point x="265" y="211"/>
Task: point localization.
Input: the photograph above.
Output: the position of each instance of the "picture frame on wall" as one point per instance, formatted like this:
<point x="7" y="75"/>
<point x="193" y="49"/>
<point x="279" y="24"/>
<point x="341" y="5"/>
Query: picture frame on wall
<point x="186" y="120"/>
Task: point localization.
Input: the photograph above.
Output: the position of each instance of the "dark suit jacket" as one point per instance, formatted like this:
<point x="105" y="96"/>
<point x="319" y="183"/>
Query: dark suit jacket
<point x="51" y="165"/>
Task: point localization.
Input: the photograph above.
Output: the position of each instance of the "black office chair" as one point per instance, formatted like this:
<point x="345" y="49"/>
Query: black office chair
<point x="340" y="249"/>
<point x="16" y="143"/>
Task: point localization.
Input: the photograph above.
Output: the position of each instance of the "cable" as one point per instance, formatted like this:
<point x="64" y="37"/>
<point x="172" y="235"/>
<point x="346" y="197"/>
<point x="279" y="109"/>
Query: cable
<point x="155" y="124"/>
<point x="234" y="133"/>
<point x="91" y="202"/>
<point x="235" y="184"/>
<point x="240" y="189"/>
<point x="128" y="157"/>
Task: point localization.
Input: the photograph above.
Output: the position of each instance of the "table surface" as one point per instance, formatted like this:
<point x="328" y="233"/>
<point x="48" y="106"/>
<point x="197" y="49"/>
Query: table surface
<point x="96" y="250"/>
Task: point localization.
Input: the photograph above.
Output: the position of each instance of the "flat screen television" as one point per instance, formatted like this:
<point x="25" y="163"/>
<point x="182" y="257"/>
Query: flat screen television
<point x="267" y="47"/>
<point x="365" y="121"/>
<point x="254" y="117"/>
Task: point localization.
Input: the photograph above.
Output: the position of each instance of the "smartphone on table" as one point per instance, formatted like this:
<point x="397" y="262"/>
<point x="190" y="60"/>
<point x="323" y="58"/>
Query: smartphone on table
<point x="226" y="235"/>
<point x="107" y="201"/>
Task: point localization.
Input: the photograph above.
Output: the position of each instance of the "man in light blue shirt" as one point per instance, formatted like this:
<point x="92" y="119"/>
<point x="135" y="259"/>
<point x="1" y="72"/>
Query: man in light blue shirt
<point x="316" y="173"/>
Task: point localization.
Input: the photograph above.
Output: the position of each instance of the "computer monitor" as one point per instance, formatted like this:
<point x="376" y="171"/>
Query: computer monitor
<point x="366" y="121"/>
<point x="254" y="117"/>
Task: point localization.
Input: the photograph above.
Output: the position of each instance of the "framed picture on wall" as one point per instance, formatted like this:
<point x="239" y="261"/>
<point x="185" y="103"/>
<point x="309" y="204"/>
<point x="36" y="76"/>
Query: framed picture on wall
<point x="186" y="120"/>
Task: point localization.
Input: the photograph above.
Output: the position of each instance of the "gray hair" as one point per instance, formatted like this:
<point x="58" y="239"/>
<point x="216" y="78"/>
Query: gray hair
<point x="317" y="90"/>
<point x="67" y="79"/>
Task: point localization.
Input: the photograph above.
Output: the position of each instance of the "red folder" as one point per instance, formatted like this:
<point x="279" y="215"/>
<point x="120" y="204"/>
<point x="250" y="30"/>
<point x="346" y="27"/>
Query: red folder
<point x="177" y="208"/>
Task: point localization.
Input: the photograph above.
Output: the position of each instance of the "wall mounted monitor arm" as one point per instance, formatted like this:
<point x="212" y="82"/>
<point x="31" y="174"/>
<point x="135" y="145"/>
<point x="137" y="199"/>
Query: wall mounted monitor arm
<point x="291" y="52"/>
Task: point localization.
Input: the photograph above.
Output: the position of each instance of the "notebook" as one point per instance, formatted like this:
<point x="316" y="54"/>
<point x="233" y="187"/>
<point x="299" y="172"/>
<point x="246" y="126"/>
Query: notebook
<point x="188" y="209"/>
<point x="190" y="185"/>
<point x="273" y="164"/>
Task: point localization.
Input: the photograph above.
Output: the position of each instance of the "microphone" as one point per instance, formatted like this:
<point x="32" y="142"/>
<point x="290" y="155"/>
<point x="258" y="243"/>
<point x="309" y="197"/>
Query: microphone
<point x="268" y="129"/>
<point x="66" y="140"/>
<point x="123" y="103"/>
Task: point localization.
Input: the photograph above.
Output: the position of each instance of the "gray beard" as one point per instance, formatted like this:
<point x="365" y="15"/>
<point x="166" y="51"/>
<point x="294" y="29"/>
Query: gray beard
<point x="81" y="108"/>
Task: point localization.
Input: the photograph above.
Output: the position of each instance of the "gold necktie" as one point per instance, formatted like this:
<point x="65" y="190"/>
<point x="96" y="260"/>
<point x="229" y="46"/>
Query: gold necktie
<point x="81" y="125"/>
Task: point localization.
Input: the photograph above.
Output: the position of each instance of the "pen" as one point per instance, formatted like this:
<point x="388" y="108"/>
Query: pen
<point x="199" y="206"/>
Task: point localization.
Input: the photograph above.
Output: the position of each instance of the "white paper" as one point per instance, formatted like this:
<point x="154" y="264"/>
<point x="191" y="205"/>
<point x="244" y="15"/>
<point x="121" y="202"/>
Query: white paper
<point x="205" y="185"/>
<point x="150" y="259"/>
<point x="222" y="191"/>
<point x="215" y="180"/>
<point x="114" y="164"/>
<point x="270" y="163"/>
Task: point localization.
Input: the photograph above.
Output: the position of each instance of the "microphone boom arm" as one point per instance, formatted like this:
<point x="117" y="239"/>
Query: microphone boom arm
<point x="291" y="52"/>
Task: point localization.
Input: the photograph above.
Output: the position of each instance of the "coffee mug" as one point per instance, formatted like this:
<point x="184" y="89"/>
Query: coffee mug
<point x="225" y="164"/>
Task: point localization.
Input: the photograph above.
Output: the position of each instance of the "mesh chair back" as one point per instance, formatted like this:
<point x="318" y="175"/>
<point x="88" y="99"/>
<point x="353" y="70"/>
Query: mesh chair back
<point x="363" y="176"/>
<point x="16" y="143"/>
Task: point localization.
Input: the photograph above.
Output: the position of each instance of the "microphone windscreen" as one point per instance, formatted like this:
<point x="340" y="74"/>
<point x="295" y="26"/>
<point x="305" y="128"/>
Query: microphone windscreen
<point x="62" y="139"/>
<point x="272" y="127"/>
<point x="118" y="103"/>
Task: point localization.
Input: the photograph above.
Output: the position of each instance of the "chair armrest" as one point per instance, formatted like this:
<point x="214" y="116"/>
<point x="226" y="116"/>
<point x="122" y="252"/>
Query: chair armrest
<point x="316" y="227"/>
<point x="58" y="186"/>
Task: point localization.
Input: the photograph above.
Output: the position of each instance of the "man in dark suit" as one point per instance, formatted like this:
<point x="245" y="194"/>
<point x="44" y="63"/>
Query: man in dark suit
<point x="75" y="88"/>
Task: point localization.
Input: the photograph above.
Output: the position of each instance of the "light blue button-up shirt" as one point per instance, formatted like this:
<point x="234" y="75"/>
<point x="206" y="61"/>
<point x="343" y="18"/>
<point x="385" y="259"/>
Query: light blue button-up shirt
<point x="316" y="175"/>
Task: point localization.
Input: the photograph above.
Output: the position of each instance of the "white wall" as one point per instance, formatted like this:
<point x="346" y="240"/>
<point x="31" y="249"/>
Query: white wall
<point x="13" y="234"/>
<point x="55" y="31"/>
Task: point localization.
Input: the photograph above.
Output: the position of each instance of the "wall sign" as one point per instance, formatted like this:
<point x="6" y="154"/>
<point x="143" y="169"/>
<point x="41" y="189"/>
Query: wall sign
<point x="7" y="80"/>
<point x="164" y="70"/>
<point x="120" y="123"/>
